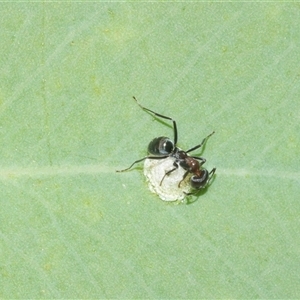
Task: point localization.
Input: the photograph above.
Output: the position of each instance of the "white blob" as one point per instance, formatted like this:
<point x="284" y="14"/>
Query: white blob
<point x="168" y="190"/>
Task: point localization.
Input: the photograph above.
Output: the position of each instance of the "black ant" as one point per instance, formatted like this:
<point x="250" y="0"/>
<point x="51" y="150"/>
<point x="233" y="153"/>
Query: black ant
<point x="163" y="147"/>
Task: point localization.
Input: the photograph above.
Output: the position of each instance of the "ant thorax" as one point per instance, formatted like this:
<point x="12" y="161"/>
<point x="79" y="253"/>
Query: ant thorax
<point x="167" y="189"/>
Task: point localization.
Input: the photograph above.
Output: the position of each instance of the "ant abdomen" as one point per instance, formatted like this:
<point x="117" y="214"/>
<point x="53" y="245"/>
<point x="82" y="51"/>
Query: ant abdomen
<point x="161" y="146"/>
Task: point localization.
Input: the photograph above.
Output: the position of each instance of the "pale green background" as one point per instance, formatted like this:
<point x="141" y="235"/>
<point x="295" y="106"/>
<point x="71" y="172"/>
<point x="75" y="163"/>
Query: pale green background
<point x="71" y="226"/>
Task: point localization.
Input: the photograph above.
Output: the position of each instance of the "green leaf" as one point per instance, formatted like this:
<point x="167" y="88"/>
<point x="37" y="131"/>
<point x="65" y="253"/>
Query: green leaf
<point x="71" y="227"/>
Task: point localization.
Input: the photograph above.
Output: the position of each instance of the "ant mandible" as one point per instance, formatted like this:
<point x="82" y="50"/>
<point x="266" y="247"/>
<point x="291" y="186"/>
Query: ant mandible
<point x="163" y="147"/>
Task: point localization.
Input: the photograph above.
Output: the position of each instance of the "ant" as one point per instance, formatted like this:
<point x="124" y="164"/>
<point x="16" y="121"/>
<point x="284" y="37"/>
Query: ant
<point x="163" y="147"/>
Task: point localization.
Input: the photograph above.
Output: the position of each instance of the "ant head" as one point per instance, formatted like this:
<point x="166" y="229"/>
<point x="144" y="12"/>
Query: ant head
<point x="199" y="182"/>
<point x="161" y="146"/>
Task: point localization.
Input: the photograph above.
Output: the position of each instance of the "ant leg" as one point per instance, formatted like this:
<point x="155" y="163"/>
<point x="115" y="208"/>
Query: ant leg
<point x="139" y="160"/>
<point x="201" y="144"/>
<point x="169" y="172"/>
<point x="132" y="164"/>
<point x="185" y="174"/>
<point x="164" y="117"/>
<point x="191" y="193"/>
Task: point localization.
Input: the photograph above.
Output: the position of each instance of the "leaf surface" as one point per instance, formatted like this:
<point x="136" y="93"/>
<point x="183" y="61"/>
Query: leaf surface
<point x="73" y="228"/>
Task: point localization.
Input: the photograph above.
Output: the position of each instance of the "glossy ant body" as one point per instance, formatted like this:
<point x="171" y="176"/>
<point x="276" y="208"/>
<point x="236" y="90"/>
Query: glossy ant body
<point x="163" y="147"/>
